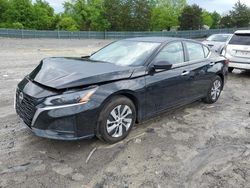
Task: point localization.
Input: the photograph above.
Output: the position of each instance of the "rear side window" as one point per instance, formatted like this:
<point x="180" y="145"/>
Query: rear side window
<point x="206" y="51"/>
<point x="240" y="39"/>
<point x="195" y="51"/>
<point x="173" y="53"/>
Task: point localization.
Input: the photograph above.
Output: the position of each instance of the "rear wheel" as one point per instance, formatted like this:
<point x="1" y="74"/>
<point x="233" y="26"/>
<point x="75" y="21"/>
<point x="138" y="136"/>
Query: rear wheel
<point x="230" y="69"/>
<point x="214" y="90"/>
<point x="116" y="119"/>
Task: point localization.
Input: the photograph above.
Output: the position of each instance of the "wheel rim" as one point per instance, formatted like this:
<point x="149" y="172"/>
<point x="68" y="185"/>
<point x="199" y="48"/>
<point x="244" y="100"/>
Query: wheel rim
<point x="216" y="89"/>
<point x="119" y="120"/>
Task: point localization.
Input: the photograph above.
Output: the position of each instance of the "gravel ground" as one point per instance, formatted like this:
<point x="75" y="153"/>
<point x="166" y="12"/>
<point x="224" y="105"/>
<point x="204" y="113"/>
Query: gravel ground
<point x="198" y="145"/>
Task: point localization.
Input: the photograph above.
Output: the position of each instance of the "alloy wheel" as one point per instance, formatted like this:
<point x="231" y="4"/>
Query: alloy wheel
<point x="215" y="90"/>
<point x="119" y="120"/>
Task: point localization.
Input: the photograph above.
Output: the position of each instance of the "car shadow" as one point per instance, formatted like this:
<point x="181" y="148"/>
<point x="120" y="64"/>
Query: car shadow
<point x="240" y="73"/>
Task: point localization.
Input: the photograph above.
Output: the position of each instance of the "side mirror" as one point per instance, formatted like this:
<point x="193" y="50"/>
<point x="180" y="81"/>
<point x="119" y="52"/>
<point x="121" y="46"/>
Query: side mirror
<point x="165" y="65"/>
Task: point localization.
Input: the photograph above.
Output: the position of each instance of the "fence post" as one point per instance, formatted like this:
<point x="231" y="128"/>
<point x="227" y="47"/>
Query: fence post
<point x="58" y="34"/>
<point x="8" y="33"/>
<point x="22" y="32"/>
<point x="104" y="34"/>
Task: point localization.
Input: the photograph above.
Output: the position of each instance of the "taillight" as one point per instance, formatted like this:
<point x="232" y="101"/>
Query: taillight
<point x="226" y="61"/>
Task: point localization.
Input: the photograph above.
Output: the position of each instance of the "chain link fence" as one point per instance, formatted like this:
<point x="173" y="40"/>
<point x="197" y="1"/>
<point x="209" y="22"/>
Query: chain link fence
<point x="15" y="33"/>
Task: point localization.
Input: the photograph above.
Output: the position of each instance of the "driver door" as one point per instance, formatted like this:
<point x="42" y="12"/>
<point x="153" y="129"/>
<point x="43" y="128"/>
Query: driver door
<point x="168" y="88"/>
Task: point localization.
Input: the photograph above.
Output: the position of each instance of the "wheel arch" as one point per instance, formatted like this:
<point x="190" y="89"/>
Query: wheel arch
<point x="130" y="95"/>
<point x="222" y="78"/>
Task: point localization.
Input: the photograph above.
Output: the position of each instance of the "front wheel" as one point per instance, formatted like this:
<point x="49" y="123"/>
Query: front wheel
<point x="214" y="91"/>
<point x="116" y="119"/>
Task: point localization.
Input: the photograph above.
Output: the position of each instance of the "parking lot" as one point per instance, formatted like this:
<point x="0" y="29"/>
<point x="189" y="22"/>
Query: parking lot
<point x="198" y="145"/>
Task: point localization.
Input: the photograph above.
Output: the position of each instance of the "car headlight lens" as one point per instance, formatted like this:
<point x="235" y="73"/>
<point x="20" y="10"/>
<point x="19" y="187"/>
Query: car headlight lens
<point x="72" y="97"/>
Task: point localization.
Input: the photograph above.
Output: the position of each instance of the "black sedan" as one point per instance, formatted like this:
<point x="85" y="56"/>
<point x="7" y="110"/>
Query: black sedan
<point x="124" y="83"/>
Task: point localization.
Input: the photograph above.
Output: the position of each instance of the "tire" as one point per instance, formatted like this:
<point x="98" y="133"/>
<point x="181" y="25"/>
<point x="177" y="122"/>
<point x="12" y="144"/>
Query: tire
<point x="116" y="119"/>
<point x="230" y="69"/>
<point x="214" y="90"/>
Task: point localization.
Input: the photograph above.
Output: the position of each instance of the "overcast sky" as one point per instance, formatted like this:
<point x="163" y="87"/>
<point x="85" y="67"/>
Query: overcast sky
<point x="221" y="6"/>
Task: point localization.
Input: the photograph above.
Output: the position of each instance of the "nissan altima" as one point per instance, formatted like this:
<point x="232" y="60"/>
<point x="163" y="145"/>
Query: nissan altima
<point x="124" y="83"/>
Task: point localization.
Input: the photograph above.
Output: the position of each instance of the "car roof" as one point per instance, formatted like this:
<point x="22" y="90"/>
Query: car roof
<point x="154" y="39"/>
<point x="242" y="32"/>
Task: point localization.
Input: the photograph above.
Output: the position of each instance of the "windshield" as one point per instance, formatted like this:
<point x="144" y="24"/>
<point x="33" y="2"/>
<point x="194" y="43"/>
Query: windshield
<point x="218" y="38"/>
<point x="240" y="39"/>
<point x="125" y="52"/>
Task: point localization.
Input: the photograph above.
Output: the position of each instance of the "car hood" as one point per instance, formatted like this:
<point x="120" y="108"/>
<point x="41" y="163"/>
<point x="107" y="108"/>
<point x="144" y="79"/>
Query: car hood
<point x="62" y="73"/>
<point x="214" y="45"/>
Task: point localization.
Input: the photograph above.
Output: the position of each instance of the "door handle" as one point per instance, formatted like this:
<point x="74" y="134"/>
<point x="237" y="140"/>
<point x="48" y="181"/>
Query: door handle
<point x="212" y="63"/>
<point x="184" y="73"/>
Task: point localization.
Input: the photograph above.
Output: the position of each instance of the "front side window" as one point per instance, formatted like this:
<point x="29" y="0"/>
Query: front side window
<point x="195" y="51"/>
<point x="172" y="53"/>
<point x="125" y="52"/>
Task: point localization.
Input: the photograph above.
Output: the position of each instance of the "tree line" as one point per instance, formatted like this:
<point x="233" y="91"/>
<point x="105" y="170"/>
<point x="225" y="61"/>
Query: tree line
<point x="118" y="15"/>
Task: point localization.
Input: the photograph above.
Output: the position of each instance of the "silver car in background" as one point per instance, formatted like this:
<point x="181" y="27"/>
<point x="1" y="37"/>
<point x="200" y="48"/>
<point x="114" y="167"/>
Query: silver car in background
<point x="237" y="50"/>
<point x="217" y="42"/>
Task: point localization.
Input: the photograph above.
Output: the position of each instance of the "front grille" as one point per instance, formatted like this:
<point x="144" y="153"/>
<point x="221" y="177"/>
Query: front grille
<point x="25" y="107"/>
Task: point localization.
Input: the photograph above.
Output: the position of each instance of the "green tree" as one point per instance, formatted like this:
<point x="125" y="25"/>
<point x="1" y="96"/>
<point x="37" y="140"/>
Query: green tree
<point x="113" y="13"/>
<point x="68" y="24"/>
<point x="17" y="25"/>
<point x="165" y="14"/>
<point x="140" y="15"/>
<point x="226" y="21"/>
<point x="191" y="18"/>
<point x="207" y="18"/>
<point x="20" y="11"/>
<point x="216" y="20"/>
<point x="89" y="15"/>
<point x="4" y="6"/>
<point x="129" y="15"/>
<point x="240" y="15"/>
<point x="77" y="11"/>
<point x="95" y="15"/>
<point x="44" y="15"/>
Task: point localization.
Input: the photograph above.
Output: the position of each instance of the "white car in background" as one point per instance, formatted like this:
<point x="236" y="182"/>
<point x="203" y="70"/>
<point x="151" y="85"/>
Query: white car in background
<point x="217" y="42"/>
<point x="237" y="51"/>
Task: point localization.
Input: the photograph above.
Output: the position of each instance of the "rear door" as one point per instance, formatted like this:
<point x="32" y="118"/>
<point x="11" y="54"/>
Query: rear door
<point x="199" y="65"/>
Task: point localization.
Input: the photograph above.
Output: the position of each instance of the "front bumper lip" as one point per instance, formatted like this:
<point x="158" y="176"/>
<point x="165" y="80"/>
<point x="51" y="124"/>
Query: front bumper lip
<point x="58" y="135"/>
